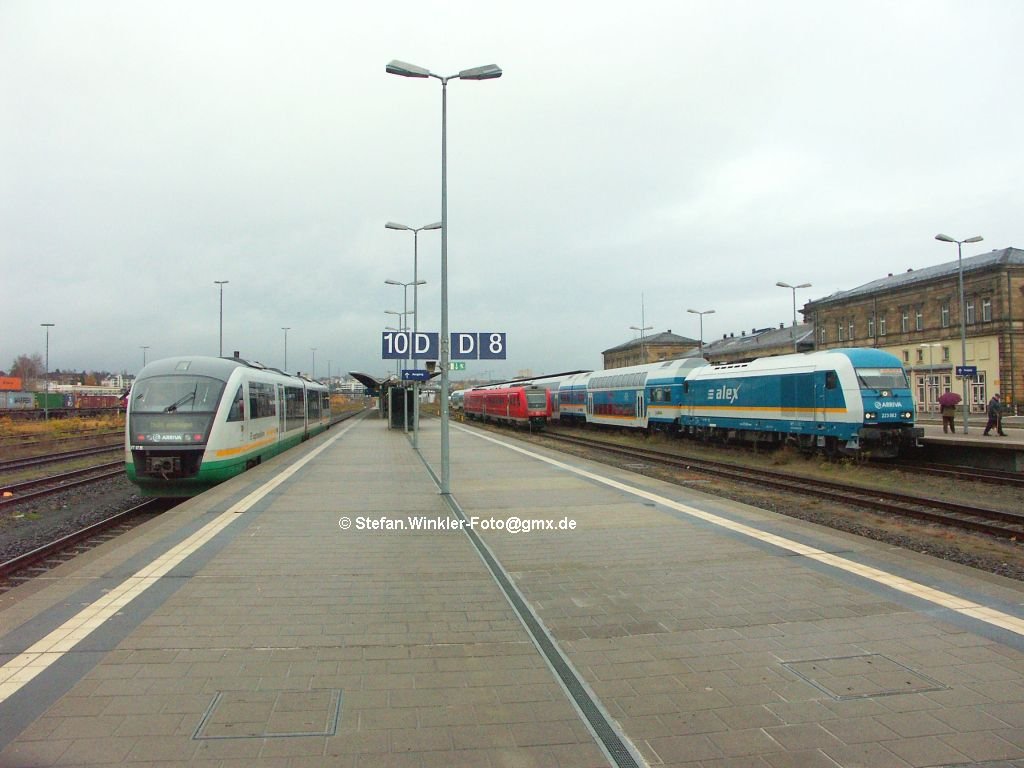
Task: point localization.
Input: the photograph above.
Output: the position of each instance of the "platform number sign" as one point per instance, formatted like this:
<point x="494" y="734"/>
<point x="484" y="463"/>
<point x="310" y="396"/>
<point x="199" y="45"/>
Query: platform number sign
<point x="478" y="346"/>
<point x="403" y="345"/>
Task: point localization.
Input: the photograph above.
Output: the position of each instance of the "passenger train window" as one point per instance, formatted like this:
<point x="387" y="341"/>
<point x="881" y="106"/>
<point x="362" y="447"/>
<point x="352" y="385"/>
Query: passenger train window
<point x="237" y="412"/>
<point x="831" y="380"/>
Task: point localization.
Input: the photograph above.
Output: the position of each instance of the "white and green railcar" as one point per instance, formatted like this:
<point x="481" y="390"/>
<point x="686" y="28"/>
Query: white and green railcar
<point x="194" y="422"/>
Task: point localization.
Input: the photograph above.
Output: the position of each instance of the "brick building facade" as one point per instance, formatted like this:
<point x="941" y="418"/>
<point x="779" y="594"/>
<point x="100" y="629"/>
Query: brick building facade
<point x="916" y="316"/>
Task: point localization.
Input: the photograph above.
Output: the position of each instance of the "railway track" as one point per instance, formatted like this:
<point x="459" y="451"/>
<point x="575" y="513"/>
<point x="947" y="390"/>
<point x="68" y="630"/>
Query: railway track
<point x="55" y="458"/>
<point x="29" y="490"/>
<point x="993" y="522"/>
<point x="46" y="557"/>
<point x="957" y="472"/>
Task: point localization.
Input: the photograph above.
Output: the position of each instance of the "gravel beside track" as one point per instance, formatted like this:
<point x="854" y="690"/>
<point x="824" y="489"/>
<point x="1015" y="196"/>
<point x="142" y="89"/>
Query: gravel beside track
<point x="33" y="524"/>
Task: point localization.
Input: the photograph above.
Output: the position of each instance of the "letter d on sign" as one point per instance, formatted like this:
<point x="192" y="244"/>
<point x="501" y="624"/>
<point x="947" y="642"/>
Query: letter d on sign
<point x="464" y="346"/>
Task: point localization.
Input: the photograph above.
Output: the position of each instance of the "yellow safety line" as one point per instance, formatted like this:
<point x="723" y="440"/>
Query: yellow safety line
<point x="50" y="649"/>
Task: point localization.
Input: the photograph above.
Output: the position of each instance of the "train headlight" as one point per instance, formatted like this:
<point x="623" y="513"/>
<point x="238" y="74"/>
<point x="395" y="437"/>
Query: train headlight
<point x="907" y="415"/>
<point x="870" y="416"/>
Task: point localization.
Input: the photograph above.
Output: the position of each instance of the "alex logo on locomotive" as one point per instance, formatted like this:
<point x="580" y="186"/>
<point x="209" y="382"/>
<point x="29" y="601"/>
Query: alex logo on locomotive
<point x="731" y="394"/>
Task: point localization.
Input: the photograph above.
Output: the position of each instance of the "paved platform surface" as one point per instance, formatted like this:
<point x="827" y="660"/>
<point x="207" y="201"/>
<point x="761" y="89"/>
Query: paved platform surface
<point x="300" y="616"/>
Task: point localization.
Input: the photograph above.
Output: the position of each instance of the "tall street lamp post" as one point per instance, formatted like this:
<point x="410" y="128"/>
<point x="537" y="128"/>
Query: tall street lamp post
<point x="794" y="289"/>
<point x="313" y="375"/>
<point x="701" y="314"/>
<point x="486" y="72"/>
<point x="963" y="317"/>
<point x="286" y="329"/>
<point x="221" y="283"/>
<point x="643" y="346"/>
<point x="144" y="348"/>
<point x="415" y="317"/>
<point x="46" y="396"/>
<point x="402" y="328"/>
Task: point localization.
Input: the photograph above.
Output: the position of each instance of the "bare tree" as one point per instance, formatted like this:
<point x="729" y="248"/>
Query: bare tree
<point x="29" y="368"/>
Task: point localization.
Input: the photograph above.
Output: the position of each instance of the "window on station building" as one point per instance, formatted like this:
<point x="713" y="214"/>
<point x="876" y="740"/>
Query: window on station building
<point x="823" y="336"/>
<point x="920" y="355"/>
<point x="944" y="314"/>
<point x="986" y="310"/>
<point x="970" y="311"/>
<point x="849" y="328"/>
<point x="881" y="326"/>
<point x="945" y="354"/>
<point x="905" y="321"/>
<point x="906" y="355"/>
<point x="919" y="319"/>
<point x="871" y="327"/>
<point x="839" y="330"/>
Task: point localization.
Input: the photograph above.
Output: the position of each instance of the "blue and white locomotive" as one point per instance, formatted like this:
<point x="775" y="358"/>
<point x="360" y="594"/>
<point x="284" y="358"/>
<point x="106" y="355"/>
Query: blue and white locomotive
<point x="849" y="401"/>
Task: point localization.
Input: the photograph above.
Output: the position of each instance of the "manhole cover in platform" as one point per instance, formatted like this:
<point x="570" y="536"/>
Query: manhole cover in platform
<point x="860" y="677"/>
<point x="270" y="714"/>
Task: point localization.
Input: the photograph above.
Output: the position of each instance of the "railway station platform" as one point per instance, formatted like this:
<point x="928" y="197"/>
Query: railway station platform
<point x="332" y="608"/>
<point x="976" y="449"/>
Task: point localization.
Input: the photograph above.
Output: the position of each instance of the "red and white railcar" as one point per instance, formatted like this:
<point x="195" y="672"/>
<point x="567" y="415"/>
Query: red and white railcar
<point x="516" y="405"/>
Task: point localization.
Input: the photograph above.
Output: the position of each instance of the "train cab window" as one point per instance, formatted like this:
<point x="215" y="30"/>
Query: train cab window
<point x="237" y="412"/>
<point x="831" y="380"/>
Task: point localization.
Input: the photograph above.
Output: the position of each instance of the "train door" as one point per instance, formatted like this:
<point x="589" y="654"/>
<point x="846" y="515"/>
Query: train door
<point x="824" y="385"/>
<point x="281" y="405"/>
<point x="641" y="408"/>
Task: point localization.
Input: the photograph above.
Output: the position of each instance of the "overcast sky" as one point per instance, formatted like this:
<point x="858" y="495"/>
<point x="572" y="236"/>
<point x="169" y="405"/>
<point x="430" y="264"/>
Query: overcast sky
<point x="629" y="164"/>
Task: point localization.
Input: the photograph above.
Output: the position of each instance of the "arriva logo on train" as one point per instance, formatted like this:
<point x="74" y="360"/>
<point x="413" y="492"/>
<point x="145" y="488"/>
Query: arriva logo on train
<point x="731" y="394"/>
<point x="879" y="404"/>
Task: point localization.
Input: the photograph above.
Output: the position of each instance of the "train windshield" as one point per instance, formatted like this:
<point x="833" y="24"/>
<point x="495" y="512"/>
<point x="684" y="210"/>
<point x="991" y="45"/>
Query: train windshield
<point x="173" y="409"/>
<point x="882" y="378"/>
<point x="176" y="394"/>
<point x="536" y="399"/>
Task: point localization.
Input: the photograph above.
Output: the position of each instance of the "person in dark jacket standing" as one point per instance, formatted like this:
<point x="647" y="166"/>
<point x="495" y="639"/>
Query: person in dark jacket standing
<point x="995" y="415"/>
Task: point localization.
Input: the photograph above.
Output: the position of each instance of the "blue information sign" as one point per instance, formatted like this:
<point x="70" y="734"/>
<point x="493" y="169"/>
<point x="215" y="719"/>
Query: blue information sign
<point x="967" y="371"/>
<point x="415" y="374"/>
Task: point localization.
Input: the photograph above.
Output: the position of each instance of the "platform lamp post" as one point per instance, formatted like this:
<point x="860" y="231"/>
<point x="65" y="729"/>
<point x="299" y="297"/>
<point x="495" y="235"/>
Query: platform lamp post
<point x="415" y="316"/>
<point x="963" y="317"/>
<point x="701" y="314"/>
<point x="286" y="328"/>
<point x="313" y="350"/>
<point x="405" y="311"/>
<point x="221" y="284"/>
<point x="46" y="396"/>
<point x="486" y="72"/>
<point x="794" y="289"/>
<point x="643" y="346"/>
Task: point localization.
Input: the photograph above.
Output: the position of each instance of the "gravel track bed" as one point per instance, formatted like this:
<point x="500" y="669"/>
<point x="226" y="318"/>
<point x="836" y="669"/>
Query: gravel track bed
<point x="24" y="527"/>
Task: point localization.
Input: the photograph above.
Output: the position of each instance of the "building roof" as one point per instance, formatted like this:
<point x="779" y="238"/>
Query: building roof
<point x="659" y="338"/>
<point x="760" y="339"/>
<point x="1002" y="257"/>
